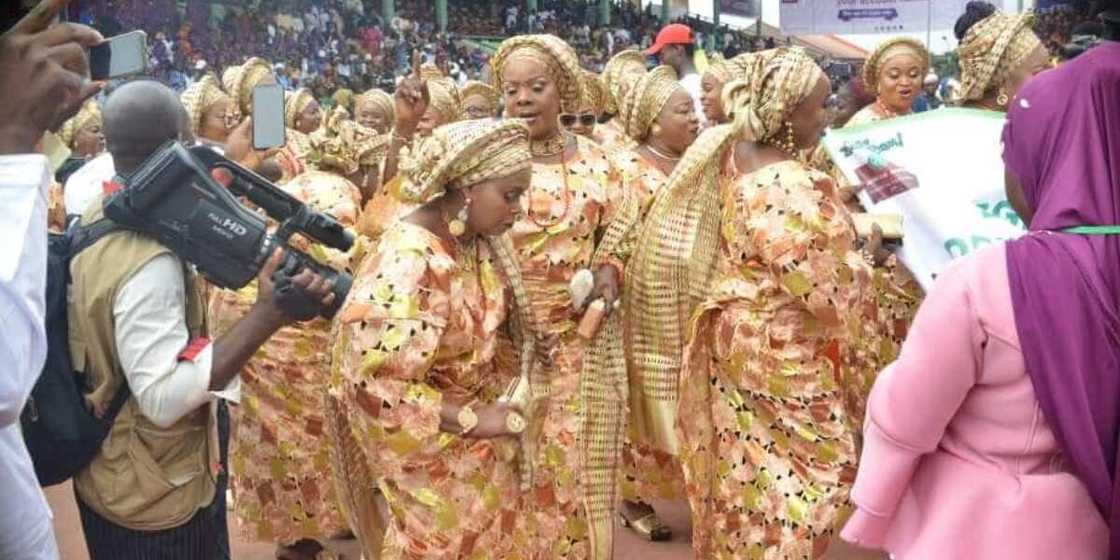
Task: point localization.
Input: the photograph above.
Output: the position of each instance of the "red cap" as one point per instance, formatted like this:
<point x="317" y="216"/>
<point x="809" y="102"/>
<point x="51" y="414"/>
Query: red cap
<point x="672" y="34"/>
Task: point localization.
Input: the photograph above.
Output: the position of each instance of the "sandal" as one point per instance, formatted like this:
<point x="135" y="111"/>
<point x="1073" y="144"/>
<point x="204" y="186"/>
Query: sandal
<point x="649" y="527"/>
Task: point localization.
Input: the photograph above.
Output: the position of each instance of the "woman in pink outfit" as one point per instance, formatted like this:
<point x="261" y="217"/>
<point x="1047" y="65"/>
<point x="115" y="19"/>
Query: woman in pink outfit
<point x="994" y="434"/>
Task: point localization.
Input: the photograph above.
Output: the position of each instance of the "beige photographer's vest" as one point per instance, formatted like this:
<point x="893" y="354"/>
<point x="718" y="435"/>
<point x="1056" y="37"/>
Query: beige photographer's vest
<point x="145" y="478"/>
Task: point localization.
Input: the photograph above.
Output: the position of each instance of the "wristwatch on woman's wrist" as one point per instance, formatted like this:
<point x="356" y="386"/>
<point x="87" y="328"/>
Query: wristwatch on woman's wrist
<point x="467" y="420"/>
<point x="515" y="423"/>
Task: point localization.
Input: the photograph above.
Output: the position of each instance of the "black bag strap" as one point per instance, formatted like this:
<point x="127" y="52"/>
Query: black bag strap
<point x="82" y="238"/>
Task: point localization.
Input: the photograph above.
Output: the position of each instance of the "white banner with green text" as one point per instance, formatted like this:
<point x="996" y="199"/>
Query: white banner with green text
<point x="942" y="171"/>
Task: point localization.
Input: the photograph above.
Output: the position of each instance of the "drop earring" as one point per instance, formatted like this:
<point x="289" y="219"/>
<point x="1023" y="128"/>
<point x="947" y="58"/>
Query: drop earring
<point x="789" y="145"/>
<point x="458" y="225"/>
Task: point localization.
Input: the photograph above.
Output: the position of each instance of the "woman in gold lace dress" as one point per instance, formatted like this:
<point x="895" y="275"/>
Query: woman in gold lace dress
<point x="998" y="53"/>
<point x="659" y="115"/>
<point x="413" y="367"/>
<point x="767" y="452"/>
<point x="894" y="74"/>
<point x="575" y="217"/>
<point x="212" y="114"/>
<point x="239" y="82"/>
<point x="719" y="72"/>
<point x="374" y="110"/>
<point x="301" y="111"/>
<point x="279" y="452"/>
<point x="480" y="101"/>
<point x="615" y="79"/>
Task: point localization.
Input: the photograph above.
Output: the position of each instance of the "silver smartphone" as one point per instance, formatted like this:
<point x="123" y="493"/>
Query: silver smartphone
<point x="123" y="55"/>
<point x="268" y="117"/>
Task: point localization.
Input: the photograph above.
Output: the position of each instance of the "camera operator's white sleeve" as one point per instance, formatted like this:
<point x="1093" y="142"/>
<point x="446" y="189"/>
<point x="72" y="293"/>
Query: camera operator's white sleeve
<point x="151" y="334"/>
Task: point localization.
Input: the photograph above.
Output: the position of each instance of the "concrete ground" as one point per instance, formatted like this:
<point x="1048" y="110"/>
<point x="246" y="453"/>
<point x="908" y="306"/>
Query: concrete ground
<point x="68" y="530"/>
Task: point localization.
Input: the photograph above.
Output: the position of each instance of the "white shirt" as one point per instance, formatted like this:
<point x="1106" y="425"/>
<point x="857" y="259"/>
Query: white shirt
<point x="25" y="518"/>
<point x="691" y="84"/>
<point x="149" y="317"/>
<point x="86" y="184"/>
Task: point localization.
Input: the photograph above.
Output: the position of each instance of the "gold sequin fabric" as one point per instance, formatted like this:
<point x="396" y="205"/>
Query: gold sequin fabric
<point x="645" y="97"/>
<point x="735" y="68"/>
<point x="594" y="93"/>
<point x="620" y="65"/>
<point x="279" y="453"/>
<point x="202" y="95"/>
<point x="294" y="104"/>
<point x="89" y="114"/>
<point x="239" y="81"/>
<point x="768" y="454"/>
<point x="464" y="153"/>
<point x="780" y="80"/>
<point x="884" y="52"/>
<point x="558" y="56"/>
<point x="420" y="329"/>
<point x="992" y="49"/>
<point x="343" y="145"/>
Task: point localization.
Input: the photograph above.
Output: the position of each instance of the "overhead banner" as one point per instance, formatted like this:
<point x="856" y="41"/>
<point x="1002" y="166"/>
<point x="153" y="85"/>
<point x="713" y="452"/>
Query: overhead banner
<point x="816" y="17"/>
<point x="942" y="172"/>
<point x="741" y="8"/>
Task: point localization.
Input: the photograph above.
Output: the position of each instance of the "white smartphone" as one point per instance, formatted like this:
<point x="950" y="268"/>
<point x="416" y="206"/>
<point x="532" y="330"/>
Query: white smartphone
<point x="268" y="117"/>
<point x="123" y="55"/>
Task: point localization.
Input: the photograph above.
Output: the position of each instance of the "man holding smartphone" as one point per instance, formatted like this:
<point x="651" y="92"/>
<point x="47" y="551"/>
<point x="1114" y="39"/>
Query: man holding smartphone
<point x="43" y="69"/>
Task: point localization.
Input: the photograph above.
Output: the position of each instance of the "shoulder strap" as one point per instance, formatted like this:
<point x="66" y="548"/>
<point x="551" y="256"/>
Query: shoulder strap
<point x="82" y="237"/>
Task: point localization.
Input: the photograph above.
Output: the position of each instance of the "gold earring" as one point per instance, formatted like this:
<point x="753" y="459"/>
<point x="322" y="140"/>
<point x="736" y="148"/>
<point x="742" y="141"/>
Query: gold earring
<point x="1002" y="99"/>
<point x="458" y="225"/>
<point x="789" y="145"/>
<point x="656" y="131"/>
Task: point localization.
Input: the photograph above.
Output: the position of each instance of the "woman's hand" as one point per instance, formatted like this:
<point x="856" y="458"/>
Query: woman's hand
<point x="874" y="248"/>
<point x="492" y="421"/>
<point x="410" y="100"/>
<point x="606" y="286"/>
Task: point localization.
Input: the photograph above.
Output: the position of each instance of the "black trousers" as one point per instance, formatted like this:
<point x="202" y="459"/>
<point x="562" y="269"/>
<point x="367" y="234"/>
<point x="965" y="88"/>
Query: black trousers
<point x="204" y="537"/>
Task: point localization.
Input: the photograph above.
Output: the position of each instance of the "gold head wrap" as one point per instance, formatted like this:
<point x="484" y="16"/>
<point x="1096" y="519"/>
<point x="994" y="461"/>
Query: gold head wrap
<point x="645" y="97"/>
<point x="294" y="103"/>
<point x="887" y="50"/>
<point x="735" y="68"/>
<point x="383" y="101"/>
<point x="463" y="154"/>
<point x="89" y="113"/>
<point x="429" y="71"/>
<point x="594" y="93"/>
<point x="443" y="97"/>
<point x="239" y="81"/>
<point x="780" y="80"/>
<point x="344" y="145"/>
<point x="491" y="95"/>
<point x="202" y="95"/>
<point x="992" y="49"/>
<point x="558" y="56"/>
<point x="669" y="272"/>
<point x="621" y="64"/>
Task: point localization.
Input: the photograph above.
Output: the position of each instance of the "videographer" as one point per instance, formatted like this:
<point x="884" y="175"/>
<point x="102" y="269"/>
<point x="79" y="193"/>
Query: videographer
<point x="141" y="320"/>
<point x="43" y="69"/>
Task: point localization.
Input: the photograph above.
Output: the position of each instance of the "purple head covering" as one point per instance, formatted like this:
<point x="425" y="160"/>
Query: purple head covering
<point x="1062" y="142"/>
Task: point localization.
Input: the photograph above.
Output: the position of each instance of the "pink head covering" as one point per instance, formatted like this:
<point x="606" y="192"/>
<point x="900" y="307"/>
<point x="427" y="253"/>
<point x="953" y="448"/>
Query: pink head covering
<point x="1062" y="142"/>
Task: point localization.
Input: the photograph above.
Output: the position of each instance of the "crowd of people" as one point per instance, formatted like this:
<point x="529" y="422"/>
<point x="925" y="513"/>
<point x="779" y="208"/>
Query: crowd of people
<point x="575" y="291"/>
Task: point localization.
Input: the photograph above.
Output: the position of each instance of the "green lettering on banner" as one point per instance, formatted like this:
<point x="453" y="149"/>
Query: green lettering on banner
<point x="1002" y="211"/>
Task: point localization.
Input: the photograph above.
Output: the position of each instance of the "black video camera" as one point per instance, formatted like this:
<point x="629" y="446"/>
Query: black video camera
<point x="174" y="198"/>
